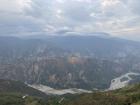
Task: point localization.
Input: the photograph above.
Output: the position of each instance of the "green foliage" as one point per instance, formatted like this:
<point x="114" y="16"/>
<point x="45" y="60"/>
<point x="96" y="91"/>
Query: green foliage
<point x="11" y="99"/>
<point x="17" y="99"/>
<point x="126" y="96"/>
<point x="19" y="87"/>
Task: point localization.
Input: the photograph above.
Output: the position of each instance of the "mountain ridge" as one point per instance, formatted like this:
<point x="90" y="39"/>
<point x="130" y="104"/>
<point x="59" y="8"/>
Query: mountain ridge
<point x="68" y="62"/>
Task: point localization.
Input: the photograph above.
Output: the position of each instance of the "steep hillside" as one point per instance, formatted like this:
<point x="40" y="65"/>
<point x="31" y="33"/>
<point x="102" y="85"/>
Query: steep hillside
<point x="69" y="72"/>
<point x="86" y="62"/>
<point x="18" y="93"/>
<point x="18" y="99"/>
<point x="96" y="46"/>
<point x="129" y="95"/>
<point x="8" y="86"/>
<point x="13" y="48"/>
<point x="126" y="96"/>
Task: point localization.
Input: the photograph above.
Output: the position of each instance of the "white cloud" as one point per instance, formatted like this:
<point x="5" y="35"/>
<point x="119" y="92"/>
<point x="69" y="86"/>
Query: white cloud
<point x="112" y="16"/>
<point x="108" y="3"/>
<point x="14" y="5"/>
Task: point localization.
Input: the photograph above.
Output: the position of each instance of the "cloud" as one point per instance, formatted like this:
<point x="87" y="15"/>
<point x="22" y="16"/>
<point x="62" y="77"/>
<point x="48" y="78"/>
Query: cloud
<point x="135" y="6"/>
<point x="62" y="16"/>
<point x="14" y="5"/>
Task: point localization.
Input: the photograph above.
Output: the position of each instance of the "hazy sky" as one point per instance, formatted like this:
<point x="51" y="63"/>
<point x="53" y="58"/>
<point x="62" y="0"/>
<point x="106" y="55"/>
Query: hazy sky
<point x="23" y="17"/>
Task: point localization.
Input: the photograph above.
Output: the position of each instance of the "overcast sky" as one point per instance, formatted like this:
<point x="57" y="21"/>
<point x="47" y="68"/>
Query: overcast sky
<point x="31" y="17"/>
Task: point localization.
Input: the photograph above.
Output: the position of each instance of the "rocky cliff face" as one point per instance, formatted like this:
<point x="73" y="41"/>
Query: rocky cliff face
<point x="53" y="62"/>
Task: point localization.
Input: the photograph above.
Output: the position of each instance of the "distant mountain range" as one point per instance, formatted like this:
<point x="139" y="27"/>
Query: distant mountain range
<point x="87" y="62"/>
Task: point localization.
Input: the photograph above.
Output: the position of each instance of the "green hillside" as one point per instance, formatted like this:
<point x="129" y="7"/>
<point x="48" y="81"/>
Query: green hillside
<point x="9" y="86"/>
<point x="17" y="93"/>
<point x="126" y="96"/>
<point x="17" y="99"/>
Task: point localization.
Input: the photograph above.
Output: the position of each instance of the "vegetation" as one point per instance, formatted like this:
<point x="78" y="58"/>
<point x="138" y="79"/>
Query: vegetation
<point x="125" y="96"/>
<point x="18" y="99"/>
<point x="15" y="93"/>
<point x="9" y="86"/>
